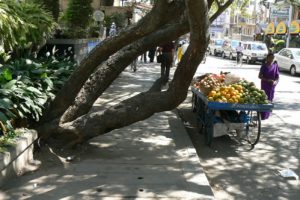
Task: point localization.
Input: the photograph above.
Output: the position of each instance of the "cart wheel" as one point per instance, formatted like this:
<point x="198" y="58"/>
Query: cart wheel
<point x="253" y="127"/>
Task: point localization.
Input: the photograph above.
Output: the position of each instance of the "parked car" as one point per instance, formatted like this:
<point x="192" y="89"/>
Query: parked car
<point x="288" y="59"/>
<point x="229" y="49"/>
<point x="215" y="47"/>
<point x="254" y="51"/>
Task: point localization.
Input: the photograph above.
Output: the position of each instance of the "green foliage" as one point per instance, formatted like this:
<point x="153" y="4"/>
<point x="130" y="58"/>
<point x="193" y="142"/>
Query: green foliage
<point x="240" y="6"/>
<point x="237" y="6"/>
<point x="8" y="139"/>
<point x="27" y="85"/>
<point x="23" y="25"/>
<point x="295" y="2"/>
<point x="12" y="26"/>
<point x="4" y="57"/>
<point x="78" y="17"/>
<point x="278" y="45"/>
<point x="41" y="25"/>
<point x="52" y="6"/>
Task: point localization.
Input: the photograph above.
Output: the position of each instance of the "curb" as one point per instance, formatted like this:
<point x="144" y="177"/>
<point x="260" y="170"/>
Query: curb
<point x="15" y="160"/>
<point x="186" y="149"/>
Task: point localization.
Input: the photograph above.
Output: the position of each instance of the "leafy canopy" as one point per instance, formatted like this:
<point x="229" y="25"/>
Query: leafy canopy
<point x="23" y="24"/>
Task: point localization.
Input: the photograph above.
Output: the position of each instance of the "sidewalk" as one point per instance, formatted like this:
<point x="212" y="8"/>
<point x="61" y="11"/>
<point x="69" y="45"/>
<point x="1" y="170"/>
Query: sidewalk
<point x="151" y="159"/>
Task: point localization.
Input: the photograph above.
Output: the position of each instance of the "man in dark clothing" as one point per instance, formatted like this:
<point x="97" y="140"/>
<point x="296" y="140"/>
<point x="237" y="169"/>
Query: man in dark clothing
<point x="151" y="53"/>
<point x="167" y="51"/>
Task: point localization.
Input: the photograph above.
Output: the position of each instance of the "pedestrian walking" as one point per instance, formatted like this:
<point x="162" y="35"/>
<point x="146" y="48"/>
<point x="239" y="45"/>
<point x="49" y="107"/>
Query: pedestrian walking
<point x="167" y="51"/>
<point x="239" y="53"/>
<point x="269" y="75"/>
<point x="151" y="53"/>
<point x="113" y="30"/>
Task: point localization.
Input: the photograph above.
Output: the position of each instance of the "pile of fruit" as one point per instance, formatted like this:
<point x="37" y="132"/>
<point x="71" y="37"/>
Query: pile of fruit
<point x="217" y="88"/>
<point x="208" y="82"/>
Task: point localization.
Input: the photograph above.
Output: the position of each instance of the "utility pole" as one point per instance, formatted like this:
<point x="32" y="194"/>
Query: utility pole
<point x="289" y="24"/>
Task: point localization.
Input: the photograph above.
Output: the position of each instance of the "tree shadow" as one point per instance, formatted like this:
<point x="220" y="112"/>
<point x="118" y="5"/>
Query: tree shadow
<point x="143" y="160"/>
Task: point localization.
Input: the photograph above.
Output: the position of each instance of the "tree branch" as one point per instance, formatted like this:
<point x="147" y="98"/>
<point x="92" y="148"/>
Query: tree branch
<point x="171" y="31"/>
<point x="161" y="14"/>
<point x="220" y="10"/>
<point x="210" y="2"/>
<point x="108" y="71"/>
<point x="146" y="104"/>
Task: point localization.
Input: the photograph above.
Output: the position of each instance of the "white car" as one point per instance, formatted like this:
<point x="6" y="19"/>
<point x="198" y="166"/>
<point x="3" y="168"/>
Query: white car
<point x="229" y="49"/>
<point x="288" y="59"/>
<point x="215" y="46"/>
<point x="254" y="51"/>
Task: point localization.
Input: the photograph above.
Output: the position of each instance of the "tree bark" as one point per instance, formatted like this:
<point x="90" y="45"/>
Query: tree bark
<point x="161" y="14"/>
<point x="146" y="104"/>
<point x="108" y="71"/>
<point x="143" y="105"/>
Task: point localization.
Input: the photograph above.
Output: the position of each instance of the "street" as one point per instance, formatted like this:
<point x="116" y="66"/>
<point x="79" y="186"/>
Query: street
<point x="234" y="170"/>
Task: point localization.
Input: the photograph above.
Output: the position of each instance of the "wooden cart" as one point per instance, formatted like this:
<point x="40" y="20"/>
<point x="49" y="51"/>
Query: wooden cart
<point x="206" y="114"/>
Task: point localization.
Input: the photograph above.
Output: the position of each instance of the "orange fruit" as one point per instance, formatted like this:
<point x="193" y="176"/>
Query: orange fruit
<point x="210" y="99"/>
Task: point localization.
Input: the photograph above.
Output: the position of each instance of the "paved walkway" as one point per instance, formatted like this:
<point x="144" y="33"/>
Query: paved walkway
<point x="151" y="159"/>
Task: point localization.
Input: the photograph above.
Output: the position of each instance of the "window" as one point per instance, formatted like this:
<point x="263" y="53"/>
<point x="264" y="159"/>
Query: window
<point x="219" y="42"/>
<point x="296" y="53"/>
<point x="283" y="53"/>
<point x="258" y="47"/>
<point x="234" y="44"/>
<point x="289" y="54"/>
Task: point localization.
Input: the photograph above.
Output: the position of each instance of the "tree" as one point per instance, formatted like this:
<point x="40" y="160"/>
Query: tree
<point x="295" y="2"/>
<point x="53" y="7"/>
<point x="68" y="114"/>
<point x="78" y="17"/>
<point x="24" y="26"/>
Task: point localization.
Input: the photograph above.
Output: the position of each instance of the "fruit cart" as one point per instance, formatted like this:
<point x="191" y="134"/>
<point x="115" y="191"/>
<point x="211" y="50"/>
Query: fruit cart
<point x="248" y="116"/>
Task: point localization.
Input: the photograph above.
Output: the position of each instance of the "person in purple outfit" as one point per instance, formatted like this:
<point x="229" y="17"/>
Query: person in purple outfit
<point x="269" y="75"/>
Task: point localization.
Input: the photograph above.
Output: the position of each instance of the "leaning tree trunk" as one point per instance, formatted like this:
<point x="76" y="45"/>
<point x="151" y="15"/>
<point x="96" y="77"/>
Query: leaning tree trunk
<point x="108" y="71"/>
<point x="145" y="104"/>
<point x="162" y="13"/>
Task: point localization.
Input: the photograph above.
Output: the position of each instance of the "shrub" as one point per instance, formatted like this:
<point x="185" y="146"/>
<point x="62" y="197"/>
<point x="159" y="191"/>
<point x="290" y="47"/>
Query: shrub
<point x="24" y="26"/>
<point x="27" y="85"/>
<point x="279" y="44"/>
<point x="78" y="17"/>
<point x="52" y="6"/>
